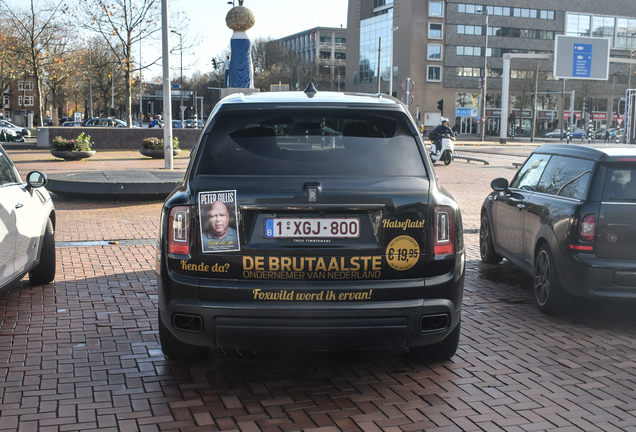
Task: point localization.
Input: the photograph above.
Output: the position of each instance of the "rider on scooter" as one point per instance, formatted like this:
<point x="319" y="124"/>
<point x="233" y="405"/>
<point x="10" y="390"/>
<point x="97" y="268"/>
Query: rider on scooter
<point x="439" y="132"/>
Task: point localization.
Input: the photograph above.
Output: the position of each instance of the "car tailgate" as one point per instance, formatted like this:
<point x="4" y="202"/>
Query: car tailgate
<point x="617" y="231"/>
<point x="375" y="229"/>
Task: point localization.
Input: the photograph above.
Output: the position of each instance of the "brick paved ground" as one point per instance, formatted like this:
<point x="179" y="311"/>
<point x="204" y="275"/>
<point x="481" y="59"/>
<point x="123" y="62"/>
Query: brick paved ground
<point x="82" y="354"/>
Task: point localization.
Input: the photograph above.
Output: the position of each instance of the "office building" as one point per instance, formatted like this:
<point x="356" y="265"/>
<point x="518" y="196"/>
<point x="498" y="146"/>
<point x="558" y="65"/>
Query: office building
<point x="441" y="46"/>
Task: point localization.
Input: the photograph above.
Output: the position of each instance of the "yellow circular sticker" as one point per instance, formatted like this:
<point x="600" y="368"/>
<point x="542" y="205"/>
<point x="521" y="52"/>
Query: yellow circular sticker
<point x="402" y="253"/>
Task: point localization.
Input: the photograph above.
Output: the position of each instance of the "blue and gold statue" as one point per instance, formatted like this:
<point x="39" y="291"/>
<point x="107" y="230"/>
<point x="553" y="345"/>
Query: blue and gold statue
<point x="240" y="19"/>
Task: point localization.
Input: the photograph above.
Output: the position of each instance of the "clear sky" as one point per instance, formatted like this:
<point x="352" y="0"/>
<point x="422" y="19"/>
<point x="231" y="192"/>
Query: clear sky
<point x="275" y="18"/>
<point x="206" y="24"/>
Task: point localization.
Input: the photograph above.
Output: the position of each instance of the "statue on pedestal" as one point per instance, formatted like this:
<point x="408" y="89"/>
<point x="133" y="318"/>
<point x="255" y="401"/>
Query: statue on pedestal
<point x="240" y="19"/>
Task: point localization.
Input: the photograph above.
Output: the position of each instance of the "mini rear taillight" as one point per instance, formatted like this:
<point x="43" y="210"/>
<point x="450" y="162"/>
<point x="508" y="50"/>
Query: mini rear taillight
<point x="179" y="230"/>
<point x="444" y="231"/>
<point x="588" y="228"/>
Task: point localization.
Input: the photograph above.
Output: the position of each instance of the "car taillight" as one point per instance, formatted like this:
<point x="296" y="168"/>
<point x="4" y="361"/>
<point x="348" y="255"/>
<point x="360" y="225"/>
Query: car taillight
<point x="588" y="228"/>
<point x="179" y="230"/>
<point x="444" y="231"/>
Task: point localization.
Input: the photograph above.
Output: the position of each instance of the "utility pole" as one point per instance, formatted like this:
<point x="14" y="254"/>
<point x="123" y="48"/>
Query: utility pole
<point x="485" y="86"/>
<point x="181" y="107"/>
<point x="379" y="58"/>
<point x="167" y="97"/>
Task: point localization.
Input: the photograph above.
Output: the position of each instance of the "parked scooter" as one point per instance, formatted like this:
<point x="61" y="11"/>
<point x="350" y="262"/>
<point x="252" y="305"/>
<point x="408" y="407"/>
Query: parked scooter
<point x="445" y="152"/>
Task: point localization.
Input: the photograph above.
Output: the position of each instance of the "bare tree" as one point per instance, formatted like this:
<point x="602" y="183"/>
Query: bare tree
<point x="37" y="35"/>
<point x="122" y="24"/>
<point x="57" y="72"/>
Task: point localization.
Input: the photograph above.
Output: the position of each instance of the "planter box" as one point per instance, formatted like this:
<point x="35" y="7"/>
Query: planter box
<point x="72" y="155"/>
<point x="158" y="154"/>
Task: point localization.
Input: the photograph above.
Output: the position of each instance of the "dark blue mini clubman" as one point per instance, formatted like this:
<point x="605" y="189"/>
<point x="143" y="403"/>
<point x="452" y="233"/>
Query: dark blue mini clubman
<point x="310" y="221"/>
<point x="567" y="218"/>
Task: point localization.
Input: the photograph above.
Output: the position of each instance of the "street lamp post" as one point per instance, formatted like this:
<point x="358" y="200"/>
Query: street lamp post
<point x="112" y="91"/>
<point x="181" y="107"/>
<point x="485" y="86"/>
<point x="391" y="72"/>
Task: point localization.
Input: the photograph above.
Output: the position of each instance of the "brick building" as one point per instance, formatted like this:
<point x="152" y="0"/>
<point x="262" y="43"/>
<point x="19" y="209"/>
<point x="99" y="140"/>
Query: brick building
<point x="20" y="102"/>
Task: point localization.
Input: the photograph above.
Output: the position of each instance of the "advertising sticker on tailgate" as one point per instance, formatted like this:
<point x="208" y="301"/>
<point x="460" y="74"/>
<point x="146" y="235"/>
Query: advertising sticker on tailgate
<point x="217" y="213"/>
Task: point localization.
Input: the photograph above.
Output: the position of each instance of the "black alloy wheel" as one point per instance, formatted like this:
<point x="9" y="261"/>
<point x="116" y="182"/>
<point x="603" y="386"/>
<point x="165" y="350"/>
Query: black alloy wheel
<point x="486" y="247"/>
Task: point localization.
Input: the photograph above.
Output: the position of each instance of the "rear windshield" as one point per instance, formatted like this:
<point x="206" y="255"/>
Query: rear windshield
<point x="620" y="182"/>
<point x="300" y="141"/>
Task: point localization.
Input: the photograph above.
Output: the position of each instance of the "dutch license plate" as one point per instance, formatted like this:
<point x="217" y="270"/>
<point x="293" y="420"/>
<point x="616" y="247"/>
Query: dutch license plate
<point x="312" y="227"/>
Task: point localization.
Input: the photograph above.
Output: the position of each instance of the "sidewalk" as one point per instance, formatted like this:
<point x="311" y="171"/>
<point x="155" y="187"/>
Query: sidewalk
<point x="108" y="175"/>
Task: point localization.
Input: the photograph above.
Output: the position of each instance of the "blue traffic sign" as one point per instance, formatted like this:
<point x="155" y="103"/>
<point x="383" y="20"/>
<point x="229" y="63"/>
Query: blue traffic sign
<point x="582" y="61"/>
<point x="175" y="86"/>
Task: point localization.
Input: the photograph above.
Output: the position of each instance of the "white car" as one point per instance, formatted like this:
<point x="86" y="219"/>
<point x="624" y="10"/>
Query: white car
<point x="27" y="226"/>
<point x="4" y="124"/>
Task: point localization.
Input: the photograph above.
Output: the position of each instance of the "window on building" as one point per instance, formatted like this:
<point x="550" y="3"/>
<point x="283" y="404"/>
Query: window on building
<point x="434" y="31"/>
<point x="341" y="41"/>
<point x="341" y="56"/>
<point x="603" y="27"/>
<point x="625" y="33"/>
<point x="471" y="30"/>
<point x="434" y="52"/>
<point x="521" y="74"/>
<point x="28" y="101"/>
<point x="25" y="85"/>
<point x="378" y="3"/>
<point x="6" y="101"/>
<point x="468" y="51"/>
<point x="525" y="13"/>
<point x="325" y="40"/>
<point x="325" y="55"/>
<point x="466" y="100"/>
<point x="506" y="11"/>
<point x="578" y="25"/>
<point x="434" y="73"/>
<point x="467" y="71"/>
<point x="546" y="14"/>
<point x="495" y="73"/>
<point x="435" y="9"/>
<point x="493" y="52"/>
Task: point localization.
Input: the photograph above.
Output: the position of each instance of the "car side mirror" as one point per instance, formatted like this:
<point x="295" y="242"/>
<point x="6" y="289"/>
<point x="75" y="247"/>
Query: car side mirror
<point x="499" y="184"/>
<point x="36" y="179"/>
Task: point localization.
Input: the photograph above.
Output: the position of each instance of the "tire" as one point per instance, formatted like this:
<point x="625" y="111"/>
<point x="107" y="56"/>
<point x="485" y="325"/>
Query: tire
<point x="443" y="350"/>
<point x="486" y="247"/>
<point x="173" y="348"/>
<point x="548" y="293"/>
<point x="447" y="157"/>
<point x="45" y="271"/>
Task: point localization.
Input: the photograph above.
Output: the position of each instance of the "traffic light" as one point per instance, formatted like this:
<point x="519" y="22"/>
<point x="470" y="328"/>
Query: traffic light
<point x="214" y="63"/>
<point x="440" y="106"/>
<point x="584" y="108"/>
<point x="149" y="107"/>
<point x="621" y="107"/>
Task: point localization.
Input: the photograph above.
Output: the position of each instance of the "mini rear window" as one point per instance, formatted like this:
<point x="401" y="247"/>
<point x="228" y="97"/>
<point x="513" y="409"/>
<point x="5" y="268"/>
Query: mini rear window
<point x="620" y="182"/>
<point x="332" y="142"/>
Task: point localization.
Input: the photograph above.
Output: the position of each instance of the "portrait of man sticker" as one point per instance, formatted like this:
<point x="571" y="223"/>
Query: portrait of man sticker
<point x="217" y="213"/>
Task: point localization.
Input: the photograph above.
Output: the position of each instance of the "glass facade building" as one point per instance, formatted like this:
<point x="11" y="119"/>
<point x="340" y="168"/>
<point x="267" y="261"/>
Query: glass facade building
<point x="620" y="31"/>
<point x="371" y="30"/>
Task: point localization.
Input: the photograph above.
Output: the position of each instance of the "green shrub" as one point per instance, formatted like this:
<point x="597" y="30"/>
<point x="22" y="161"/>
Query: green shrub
<point x="153" y="143"/>
<point x="82" y="143"/>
